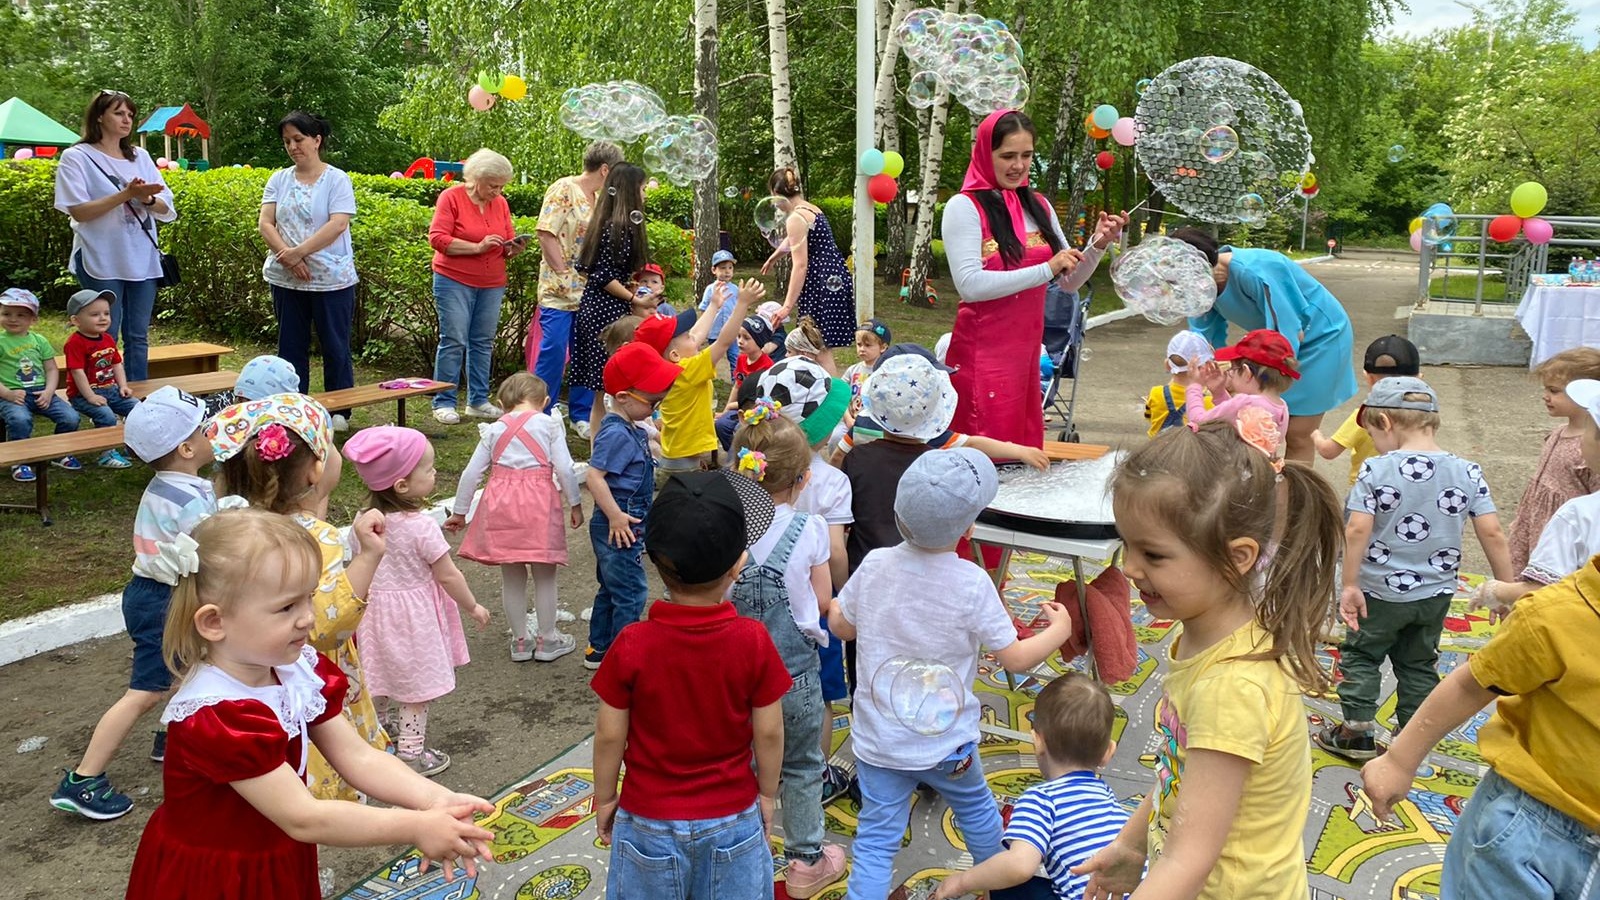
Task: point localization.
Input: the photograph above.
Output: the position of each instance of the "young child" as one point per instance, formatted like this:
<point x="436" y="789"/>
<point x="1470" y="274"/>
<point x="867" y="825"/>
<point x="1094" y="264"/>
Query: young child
<point x="1241" y="550"/>
<point x="622" y="479"/>
<point x="1164" y="408"/>
<point x="1562" y="473"/>
<point x="939" y="498"/>
<point x="786" y="585"/>
<point x="692" y="796"/>
<point x="97" y="387"/>
<point x="1072" y="814"/>
<point x="29" y="378"/>
<point x="278" y="454"/>
<point x="872" y="338"/>
<point x="722" y="263"/>
<point x="1260" y="368"/>
<point x="411" y="636"/>
<point x="519" y="522"/>
<point x="649" y="292"/>
<point x="1390" y="355"/>
<point x="1406" y="513"/>
<point x="771" y="312"/>
<point x="754" y="334"/>
<point x="238" y="822"/>
<point x="805" y="341"/>
<point x="164" y="431"/>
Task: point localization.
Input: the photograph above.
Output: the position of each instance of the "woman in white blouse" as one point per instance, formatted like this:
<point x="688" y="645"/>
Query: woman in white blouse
<point x="114" y="195"/>
<point x="305" y="220"/>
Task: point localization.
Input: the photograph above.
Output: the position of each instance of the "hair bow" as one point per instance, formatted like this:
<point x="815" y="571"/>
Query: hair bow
<point x="752" y="463"/>
<point x="1258" y="429"/>
<point x="174" y="559"/>
<point x="272" y="443"/>
<point x="763" y="409"/>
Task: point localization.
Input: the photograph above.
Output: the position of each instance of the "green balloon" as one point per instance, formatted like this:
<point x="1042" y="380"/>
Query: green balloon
<point x="1528" y="199"/>
<point x="491" y="82"/>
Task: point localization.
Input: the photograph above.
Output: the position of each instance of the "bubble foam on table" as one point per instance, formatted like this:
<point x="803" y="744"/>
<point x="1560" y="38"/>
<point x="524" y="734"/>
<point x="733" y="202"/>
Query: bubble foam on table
<point x="1070" y="491"/>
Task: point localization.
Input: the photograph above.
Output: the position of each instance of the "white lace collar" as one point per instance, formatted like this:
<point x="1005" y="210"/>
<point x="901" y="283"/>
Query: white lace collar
<point x="296" y="700"/>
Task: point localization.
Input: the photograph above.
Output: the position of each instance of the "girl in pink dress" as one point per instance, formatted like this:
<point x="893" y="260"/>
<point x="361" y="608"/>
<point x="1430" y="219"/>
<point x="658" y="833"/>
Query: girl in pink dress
<point x="1562" y="474"/>
<point x="237" y="821"/>
<point x="411" y="638"/>
<point x="518" y="522"/>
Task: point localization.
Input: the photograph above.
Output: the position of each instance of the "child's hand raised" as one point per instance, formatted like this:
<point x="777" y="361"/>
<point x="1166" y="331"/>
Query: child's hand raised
<point x="719" y="295"/>
<point x="447" y="835"/>
<point x="455" y="522"/>
<point x="751" y="292"/>
<point x="368" y="528"/>
<point x="1210" y="376"/>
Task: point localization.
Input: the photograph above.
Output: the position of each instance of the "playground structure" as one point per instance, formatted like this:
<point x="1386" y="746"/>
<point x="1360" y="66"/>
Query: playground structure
<point x="28" y="133"/>
<point x="180" y="123"/>
<point x="441" y="169"/>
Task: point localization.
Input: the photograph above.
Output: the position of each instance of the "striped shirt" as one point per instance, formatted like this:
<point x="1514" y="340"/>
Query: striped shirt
<point x="1069" y="820"/>
<point x="173" y="504"/>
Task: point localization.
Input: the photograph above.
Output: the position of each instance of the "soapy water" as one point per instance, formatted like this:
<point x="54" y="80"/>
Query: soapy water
<point x="1075" y="491"/>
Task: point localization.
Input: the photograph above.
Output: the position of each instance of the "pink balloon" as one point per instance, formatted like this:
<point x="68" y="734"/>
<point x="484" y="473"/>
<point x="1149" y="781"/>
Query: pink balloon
<point x="1416" y="240"/>
<point x="161" y="162"/>
<point x="1537" y="231"/>
<point x="1124" y="131"/>
<point x="480" y="98"/>
<point x="24" y="153"/>
<point x="397" y="175"/>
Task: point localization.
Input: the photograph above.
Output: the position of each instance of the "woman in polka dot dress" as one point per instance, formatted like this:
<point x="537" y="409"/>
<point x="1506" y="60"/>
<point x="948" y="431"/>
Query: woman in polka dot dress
<point x="819" y="284"/>
<point x="615" y="248"/>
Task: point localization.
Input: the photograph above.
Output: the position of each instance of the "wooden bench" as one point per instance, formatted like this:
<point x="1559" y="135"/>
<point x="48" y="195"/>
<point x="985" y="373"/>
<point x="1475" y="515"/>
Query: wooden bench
<point x="372" y="395"/>
<point x="169" y="360"/>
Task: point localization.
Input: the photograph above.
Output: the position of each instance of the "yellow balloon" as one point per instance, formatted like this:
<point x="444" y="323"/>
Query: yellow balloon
<point x="1416" y="225"/>
<point x="514" y="88"/>
<point x="893" y="164"/>
<point x="1528" y="199"/>
<point x="1308" y="181"/>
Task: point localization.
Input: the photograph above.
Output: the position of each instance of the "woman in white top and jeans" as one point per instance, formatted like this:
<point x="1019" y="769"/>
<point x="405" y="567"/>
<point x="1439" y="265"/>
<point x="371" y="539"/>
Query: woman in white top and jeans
<point x="114" y="195"/>
<point x="305" y="220"/>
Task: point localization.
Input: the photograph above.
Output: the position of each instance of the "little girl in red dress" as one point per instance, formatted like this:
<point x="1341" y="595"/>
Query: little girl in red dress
<point x="238" y="822"/>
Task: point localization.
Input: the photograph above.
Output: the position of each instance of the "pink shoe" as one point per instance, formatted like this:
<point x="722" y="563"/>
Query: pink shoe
<point x="804" y="879"/>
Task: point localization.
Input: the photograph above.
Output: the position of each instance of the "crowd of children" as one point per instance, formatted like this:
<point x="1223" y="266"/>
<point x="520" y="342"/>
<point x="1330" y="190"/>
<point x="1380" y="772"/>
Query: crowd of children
<point x="784" y="544"/>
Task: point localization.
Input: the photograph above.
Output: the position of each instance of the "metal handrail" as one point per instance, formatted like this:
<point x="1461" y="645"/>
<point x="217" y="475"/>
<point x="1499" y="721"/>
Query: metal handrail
<point x="1516" y="267"/>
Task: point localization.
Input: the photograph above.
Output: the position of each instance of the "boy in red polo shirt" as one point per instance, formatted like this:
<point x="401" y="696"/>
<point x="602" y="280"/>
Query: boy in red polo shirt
<point x="691" y="796"/>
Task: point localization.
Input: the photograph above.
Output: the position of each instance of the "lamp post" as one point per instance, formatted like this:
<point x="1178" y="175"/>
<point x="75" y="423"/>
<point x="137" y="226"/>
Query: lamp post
<point x="866" y="85"/>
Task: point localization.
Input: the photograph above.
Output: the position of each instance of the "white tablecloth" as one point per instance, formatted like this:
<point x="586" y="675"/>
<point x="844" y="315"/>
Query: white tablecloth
<point x="1559" y="318"/>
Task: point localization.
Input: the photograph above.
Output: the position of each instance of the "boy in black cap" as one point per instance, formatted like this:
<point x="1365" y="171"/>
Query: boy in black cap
<point x="692" y="795"/>
<point x="1388" y="356"/>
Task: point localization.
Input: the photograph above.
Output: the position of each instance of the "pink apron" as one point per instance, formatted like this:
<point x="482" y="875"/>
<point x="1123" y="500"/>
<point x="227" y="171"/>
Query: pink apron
<point x="994" y="348"/>
<point x="521" y="516"/>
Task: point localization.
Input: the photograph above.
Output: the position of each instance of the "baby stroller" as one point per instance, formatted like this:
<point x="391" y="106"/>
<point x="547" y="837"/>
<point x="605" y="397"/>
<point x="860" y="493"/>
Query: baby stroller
<point x="1064" y="315"/>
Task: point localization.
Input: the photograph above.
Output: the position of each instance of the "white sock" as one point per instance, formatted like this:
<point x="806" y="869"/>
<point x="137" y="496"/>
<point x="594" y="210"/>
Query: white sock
<point x="514" y="594"/>
<point x="544" y="597"/>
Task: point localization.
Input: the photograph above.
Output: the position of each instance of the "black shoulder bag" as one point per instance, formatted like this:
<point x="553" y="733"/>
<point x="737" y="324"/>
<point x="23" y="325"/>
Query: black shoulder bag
<point x="170" y="274"/>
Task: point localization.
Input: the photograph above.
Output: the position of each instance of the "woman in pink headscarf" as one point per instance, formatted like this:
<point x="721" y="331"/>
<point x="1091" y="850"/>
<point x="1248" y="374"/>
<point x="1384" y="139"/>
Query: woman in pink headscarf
<point x="1004" y="246"/>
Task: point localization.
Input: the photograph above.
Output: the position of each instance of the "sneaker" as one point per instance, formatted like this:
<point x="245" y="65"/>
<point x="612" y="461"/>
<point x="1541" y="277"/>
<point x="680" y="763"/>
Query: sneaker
<point x="70" y="463"/>
<point x="592" y="658"/>
<point x="835" y="783"/>
<point x="551" y="648"/>
<point x="1358" y="746"/>
<point x="92" y="798"/>
<point x="23" y="474"/>
<point x="485" y="410"/>
<point x="113" y="459"/>
<point x="446" y="415"/>
<point x="587" y="614"/>
<point x="341" y="424"/>
<point x="581" y="429"/>
<point x="158" y="747"/>
<point x="521" y="650"/>
<point x="428" y="763"/>
<point x="563" y="617"/>
<point x="803" y="879"/>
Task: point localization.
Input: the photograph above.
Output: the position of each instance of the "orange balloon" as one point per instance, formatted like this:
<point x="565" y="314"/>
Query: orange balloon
<point x="1098" y="134"/>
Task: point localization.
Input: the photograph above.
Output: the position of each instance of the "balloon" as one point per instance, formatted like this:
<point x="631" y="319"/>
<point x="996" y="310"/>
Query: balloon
<point x="1105" y="159"/>
<point x="1124" y="131"/>
<point x="881" y="188"/>
<point x="893" y="164"/>
<point x="161" y="162"/>
<point x="1105" y="115"/>
<point x="1308" y="181"/>
<point x="1528" y="199"/>
<point x="872" y="162"/>
<point x="480" y="98"/>
<point x="1415" y="226"/>
<point x="24" y="153"/>
<point x="1501" y="228"/>
<point x="514" y="88"/>
<point x="397" y="174"/>
<point x="490" y="82"/>
<point x="1098" y="133"/>
<point x="1537" y="231"/>
<point x="1416" y="241"/>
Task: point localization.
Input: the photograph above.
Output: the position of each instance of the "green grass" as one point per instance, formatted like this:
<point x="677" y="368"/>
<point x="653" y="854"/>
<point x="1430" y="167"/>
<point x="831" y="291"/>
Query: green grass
<point x="1465" y="287"/>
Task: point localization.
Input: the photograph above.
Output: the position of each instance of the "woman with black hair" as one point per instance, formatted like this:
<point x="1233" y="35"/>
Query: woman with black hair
<point x="1004" y="246"/>
<point x="311" y="268"/>
<point x="614" y="247"/>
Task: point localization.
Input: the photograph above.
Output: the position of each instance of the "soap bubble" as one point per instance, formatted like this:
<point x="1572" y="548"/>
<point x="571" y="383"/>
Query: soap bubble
<point x="771" y="220"/>
<point x="835" y="284"/>
<point x="611" y="190"/>
<point x="922" y="90"/>
<point x="612" y="110"/>
<point x="683" y="149"/>
<point x="1212" y="131"/>
<point x="636" y="217"/>
<point x="1140" y="86"/>
<point x="924" y="695"/>
<point x="1438" y="224"/>
<point x="1165" y="280"/>
<point x="1251" y="209"/>
<point x="730" y="192"/>
<point x="978" y="59"/>
<point x="1397" y="153"/>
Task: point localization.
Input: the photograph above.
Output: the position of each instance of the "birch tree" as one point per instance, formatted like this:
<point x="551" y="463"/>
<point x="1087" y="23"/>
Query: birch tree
<point x="783" y="152"/>
<point x="885" y="114"/>
<point x="928" y="193"/>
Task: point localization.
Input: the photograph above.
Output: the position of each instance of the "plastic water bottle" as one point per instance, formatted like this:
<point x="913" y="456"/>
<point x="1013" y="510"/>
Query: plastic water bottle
<point x="1586" y="272"/>
<point x="1572" y="270"/>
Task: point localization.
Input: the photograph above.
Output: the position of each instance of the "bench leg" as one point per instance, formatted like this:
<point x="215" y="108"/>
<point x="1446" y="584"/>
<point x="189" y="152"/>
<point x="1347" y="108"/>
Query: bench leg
<point x="400" y="412"/>
<point x="41" y="494"/>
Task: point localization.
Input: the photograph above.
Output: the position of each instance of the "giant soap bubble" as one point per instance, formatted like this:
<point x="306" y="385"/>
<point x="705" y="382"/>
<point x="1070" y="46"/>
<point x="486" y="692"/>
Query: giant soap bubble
<point x="612" y="110"/>
<point x="771" y="220"/>
<point x="1165" y="280"/>
<point x="978" y="59"/>
<point x="1221" y="140"/>
<point x="924" y="695"/>
<point x="683" y="149"/>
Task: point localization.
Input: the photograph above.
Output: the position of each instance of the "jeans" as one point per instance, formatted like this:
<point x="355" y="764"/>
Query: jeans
<point x="555" y="342"/>
<point x="1509" y="844"/>
<point x="886" y="807"/>
<point x="1406" y="633"/>
<point x="468" y="320"/>
<point x="18" y="417"/>
<point x="619" y="571"/>
<point x="105" y="416"/>
<point x="331" y="313"/>
<point x="130" y="317"/>
<point x="803" y="764"/>
<point x="704" y="859"/>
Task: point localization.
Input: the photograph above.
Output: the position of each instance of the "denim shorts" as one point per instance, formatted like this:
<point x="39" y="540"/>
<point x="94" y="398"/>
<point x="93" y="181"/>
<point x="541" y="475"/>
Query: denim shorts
<point x="144" y="609"/>
<point x="659" y="859"/>
<point x="1509" y="843"/>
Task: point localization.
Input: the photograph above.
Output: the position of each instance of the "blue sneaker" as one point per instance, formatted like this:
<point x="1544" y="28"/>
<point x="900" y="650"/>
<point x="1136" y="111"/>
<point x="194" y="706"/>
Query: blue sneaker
<point x="92" y="798"/>
<point x="23" y="474"/>
<point x="70" y="463"/>
<point x="113" y="459"/>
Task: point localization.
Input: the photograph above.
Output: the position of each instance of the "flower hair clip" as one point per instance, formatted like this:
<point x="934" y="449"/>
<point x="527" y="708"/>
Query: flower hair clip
<point x="1257" y="428"/>
<point x="752" y="463"/>
<point x="272" y="443"/>
<point x="763" y="410"/>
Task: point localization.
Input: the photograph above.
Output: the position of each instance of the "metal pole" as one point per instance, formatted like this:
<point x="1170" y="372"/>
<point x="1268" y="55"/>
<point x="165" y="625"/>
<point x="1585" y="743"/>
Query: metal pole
<point x="1305" y="213"/>
<point x="1483" y="250"/>
<point x="866" y="85"/>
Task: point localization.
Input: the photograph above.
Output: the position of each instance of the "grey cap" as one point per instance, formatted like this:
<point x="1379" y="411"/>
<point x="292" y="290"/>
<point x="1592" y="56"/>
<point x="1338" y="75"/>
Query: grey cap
<point x="941" y="494"/>
<point x="78" y="301"/>
<point x="264" y="376"/>
<point x="1390" y="393"/>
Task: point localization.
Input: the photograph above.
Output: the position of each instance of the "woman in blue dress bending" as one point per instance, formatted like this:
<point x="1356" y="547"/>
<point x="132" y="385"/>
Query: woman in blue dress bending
<point x="1265" y="289"/>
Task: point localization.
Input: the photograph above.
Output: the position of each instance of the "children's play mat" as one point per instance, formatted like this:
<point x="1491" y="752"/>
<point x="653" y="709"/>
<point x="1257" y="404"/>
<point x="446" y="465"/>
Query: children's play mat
<point x="545" y="846"/>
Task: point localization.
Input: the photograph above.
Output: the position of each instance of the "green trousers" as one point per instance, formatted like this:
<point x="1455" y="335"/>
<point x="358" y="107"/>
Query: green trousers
<point x="1408" y="635"/>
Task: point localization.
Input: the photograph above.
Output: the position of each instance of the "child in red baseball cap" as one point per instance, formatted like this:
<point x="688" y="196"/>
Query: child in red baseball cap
<point x="649" y="292"/>
<point x="1254" y="372"/>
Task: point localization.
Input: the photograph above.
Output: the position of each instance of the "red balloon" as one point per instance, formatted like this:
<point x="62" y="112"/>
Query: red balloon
<point x="1504" y="228"/>
<point x="882" y="188"/>
<point x="1105" y="159"/>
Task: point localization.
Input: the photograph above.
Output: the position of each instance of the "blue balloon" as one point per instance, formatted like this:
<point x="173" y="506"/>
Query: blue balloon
<point x="872" y="162"/>
<point x="1104" y="116"/>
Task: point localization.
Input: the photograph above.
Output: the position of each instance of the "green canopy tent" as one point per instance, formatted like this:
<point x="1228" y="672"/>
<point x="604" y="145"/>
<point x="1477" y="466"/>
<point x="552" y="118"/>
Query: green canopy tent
<point x="22" y="125"/>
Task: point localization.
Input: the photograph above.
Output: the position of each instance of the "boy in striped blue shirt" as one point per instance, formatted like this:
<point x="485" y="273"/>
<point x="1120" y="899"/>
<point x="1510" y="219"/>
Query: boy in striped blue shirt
<point x="1062" y="821"/>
